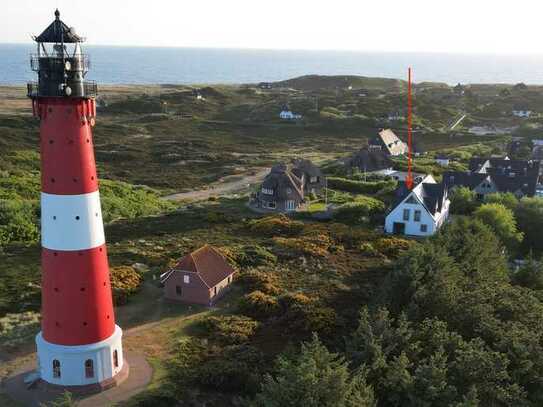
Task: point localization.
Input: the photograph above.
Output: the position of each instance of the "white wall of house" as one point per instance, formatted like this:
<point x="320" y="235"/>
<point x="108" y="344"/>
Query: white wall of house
<point x="412" y="227"/>
<point x="522" y="113"/>
<point x="404" y="213"/>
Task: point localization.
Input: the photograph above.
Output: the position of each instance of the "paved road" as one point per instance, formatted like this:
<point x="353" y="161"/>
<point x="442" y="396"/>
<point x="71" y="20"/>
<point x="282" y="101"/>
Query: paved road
<point x="224" y="187"/>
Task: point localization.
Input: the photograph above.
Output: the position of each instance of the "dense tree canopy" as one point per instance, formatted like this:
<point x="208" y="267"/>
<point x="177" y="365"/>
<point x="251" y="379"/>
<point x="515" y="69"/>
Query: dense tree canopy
<point x="502" y="221"/>
<point x="314" y="377"/>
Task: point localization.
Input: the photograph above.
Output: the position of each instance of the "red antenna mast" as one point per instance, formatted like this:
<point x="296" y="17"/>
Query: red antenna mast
<point x="409" y="178"/>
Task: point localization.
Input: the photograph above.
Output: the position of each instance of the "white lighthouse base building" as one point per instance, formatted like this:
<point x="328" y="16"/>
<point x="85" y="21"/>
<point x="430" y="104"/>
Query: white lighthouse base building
<point x="81" y="365"/>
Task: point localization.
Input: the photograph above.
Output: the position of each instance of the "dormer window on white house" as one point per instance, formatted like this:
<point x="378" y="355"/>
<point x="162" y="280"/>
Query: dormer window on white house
<point x="267" y="191"/>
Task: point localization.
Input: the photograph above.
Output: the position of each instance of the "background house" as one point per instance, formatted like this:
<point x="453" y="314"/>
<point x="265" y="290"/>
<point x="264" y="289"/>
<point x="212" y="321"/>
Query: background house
<point x="287" y="114"/>
<point x="369" y="160"/>
<point x="419" y="212"/>
<point x="491" y="175"/>
<point x="281" y="190"/>
<point x="442" y="160"/>
<point x="200" y="277"/>
<point x="311" y="175"/>
<point x="388" y="142"/>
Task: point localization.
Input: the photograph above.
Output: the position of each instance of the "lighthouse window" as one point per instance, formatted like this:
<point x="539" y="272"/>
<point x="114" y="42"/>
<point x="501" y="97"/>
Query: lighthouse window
<point x="56" y="369"/>
<point x="115" y="358"/>
<point x="89" y="368"/>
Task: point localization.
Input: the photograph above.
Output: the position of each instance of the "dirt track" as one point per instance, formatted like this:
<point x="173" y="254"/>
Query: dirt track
<point x="228" y="185"/>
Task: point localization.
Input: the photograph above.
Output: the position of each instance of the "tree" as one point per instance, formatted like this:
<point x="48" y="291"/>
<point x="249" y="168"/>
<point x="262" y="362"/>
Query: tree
<point x="502" y="221"/>
<point x="463" y="201"/>
<point x="425" y="280"/>
<point x="530" y="275"/>
<point x="314" y="378"/>
<point x="475" y="249"/>
<point x="506" y="199"/>
<point x="529" y="215"/>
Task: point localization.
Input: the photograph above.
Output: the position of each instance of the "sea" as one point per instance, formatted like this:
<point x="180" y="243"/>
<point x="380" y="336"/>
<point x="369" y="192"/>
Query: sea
<point x="153" y="65"/>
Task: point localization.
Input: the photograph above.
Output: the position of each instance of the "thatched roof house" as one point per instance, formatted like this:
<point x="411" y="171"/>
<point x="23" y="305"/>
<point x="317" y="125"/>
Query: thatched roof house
<point x="281" y="191"/>
<point x="310" y="175"/>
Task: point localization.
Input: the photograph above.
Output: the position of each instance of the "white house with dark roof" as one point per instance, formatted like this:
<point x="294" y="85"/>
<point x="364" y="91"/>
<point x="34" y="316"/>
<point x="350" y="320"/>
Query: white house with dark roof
<point x="419" y="212"/>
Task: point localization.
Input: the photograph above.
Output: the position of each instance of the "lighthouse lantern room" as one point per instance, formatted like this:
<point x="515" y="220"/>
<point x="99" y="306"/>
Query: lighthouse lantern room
<point x="79" y="344"/>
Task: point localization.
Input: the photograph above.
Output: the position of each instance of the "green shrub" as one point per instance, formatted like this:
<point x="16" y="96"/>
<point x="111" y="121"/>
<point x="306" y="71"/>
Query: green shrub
<point x="392" y="246"/>
<point x="463" y="201"/>
<point x="249" y="256"/>
<point x="125" y="281"/>
<point x="315" y="244"/>
<point x="18" y="222"/>
<point x="276" y="225"/>
<point x="259" y="305"/>
<point x="368" y="250"/>
<point x="230" y="329"/>
<point x="364" y="210"/>
<point x="232" y="369"/>
<point x="359" y="187"/>
<point x="260" y="281"/>
<point x="17" y="329"/>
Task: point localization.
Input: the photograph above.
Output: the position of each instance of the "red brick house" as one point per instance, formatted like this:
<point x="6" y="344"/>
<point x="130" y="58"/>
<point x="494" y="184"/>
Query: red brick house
<point x="200" y="277"/>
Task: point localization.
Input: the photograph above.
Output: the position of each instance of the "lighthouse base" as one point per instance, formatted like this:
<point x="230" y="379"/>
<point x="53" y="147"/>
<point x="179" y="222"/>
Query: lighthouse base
<point x="93" y="365"/>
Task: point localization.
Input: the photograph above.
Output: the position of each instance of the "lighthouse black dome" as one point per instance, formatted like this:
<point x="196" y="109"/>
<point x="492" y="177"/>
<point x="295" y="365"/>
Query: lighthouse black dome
<point x="62" y="66"/>
<point x="58" y="32"/>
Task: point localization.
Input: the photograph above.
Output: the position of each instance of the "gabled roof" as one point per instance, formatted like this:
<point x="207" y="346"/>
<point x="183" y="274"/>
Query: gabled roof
<point x="463" y="179"/>
<point x="280" y="180"/>
<point x="302" y="166"/>
<point x="207" y="262"/>
<point x="58" y="32"/>
<point x="390" y="142"/>
<point x="431" y="194"/>
<point x="370" y="160"/>
<point x="504" y="182"/>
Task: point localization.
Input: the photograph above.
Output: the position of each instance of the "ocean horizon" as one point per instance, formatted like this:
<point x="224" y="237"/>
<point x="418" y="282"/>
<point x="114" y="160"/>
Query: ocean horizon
<point x="127" y="65"/>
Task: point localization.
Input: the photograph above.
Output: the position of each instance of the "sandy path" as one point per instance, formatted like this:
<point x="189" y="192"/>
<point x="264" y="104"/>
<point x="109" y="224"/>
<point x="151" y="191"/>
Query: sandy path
<point x="223" y="187"/>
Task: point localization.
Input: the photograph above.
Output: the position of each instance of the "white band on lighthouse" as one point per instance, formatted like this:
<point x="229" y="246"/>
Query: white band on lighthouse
<point x="71" y="222"/>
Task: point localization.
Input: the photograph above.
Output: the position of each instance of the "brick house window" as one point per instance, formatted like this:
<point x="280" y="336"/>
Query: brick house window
<point x="115" y="358"/>
<point x="417" y="216"/>
<point x="89" y="368"/>
<point x="406" y="214"/>
<point x="56" y="368"/>
<point x="186" y="279"/>
<point x="178" y="290"/>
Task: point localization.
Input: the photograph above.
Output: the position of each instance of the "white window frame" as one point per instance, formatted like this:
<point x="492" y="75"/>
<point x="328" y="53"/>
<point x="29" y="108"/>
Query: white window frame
<point x="290" y="205"/>
<point x="267" y="191"/>
<point x="186" y="279"/>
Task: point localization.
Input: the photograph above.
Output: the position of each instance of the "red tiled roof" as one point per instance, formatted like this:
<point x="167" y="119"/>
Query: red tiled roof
<point x="208" y="263"/>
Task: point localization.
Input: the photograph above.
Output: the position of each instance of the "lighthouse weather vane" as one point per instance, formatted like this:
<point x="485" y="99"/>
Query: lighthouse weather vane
<point x="79" y="346"/>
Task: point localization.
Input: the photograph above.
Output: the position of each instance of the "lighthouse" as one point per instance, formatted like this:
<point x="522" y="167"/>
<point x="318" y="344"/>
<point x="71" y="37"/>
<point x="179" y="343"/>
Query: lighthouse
<point x="79" y="345"/>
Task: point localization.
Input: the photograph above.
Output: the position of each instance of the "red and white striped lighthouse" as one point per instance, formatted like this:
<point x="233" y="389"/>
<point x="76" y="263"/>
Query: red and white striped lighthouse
<point x="80" y="344"/>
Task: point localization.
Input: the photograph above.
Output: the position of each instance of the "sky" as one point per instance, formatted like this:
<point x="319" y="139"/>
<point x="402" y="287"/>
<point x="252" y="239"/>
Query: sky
<point x="460" y="26"/>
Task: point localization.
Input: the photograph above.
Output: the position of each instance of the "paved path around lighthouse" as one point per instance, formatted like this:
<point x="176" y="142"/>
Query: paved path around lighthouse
<point x="139" y="377"/>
